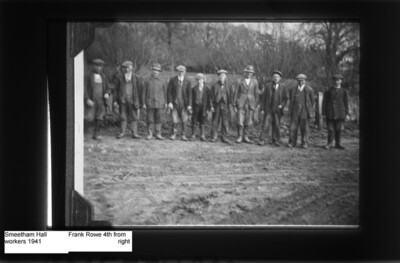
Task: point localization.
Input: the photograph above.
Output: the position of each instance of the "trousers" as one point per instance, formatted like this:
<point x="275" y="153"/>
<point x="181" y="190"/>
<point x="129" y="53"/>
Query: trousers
<point x="245" y="116"/>
<point x="334" y="130"/>
<point x="220" y="114"/>
<point x="128" y="112"/>
<point x="271" y="120"/>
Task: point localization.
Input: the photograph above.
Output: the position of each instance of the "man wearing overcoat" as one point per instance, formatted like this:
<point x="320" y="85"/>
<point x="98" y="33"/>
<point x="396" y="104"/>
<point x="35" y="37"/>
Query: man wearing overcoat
<point x="246" y="100"/>
<point x="273" y="102"/>
<point x="179" y="101"/>
<point x="335" y="108"/>
<point x="154" y="98"/>
<point x="220" y="100"/>
<point x="96" y="94"/>
<point x="301" y="110"/>
<point x="127" y="96"/>
<point x="200" y="102"/>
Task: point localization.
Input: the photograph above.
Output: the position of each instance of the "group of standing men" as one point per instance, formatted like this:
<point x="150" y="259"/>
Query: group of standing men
<point x="245" y="96"/>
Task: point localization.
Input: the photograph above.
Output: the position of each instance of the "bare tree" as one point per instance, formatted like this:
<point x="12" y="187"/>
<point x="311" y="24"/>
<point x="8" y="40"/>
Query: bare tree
<point x="334" y="42"/>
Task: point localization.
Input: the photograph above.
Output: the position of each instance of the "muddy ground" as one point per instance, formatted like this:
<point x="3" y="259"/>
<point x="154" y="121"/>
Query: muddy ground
<point x="140" y="182"/>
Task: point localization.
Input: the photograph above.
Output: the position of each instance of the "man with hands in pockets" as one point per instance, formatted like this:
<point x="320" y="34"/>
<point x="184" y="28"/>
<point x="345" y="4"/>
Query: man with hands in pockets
<point x="127" y="96"/>
<point x="154" y="98"/>
<point x="179" y="98"/>
<point x="220" y="99"/>
<point x="96" y="94"/>
<point x="273" y="102"/>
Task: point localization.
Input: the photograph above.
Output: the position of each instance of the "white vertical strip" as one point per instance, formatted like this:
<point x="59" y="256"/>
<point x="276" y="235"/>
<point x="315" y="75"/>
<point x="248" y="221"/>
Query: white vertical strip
<point x="78" y="139"/>
<point x="49" y="196"/>
<point x="320" y="100"/>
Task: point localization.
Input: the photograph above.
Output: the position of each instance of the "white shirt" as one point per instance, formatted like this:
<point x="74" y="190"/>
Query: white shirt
<point x="97" y="78"/>
<point x="301" y="87"/>
<point x="247" y="81"/>
<point x="128" y="76"/>
<point x="276" y="86"/>
<point x="180" y="78"/>
<point x="337" y="87"/>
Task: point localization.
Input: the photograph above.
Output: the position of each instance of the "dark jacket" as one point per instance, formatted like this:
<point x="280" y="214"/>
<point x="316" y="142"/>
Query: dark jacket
<point x="215" y="94"/>
<point x="310" y="99"/>
<point x="154" y="93"/>
<point x="335" y="104"/>
<point x="205" y="98"/>
<point x="88" y="87"/>
<point x="266" y="97"/>
<point x="244" y="92"/>
<point x="120" y="91"/>
<point x="172" y="92"/>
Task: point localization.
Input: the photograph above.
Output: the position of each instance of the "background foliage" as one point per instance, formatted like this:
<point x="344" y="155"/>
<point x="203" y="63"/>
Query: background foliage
<point x="318" y="50"/>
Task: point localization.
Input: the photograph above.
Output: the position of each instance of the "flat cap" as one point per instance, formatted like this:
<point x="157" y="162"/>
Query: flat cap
<point x="301" y="76"/>
<point x="337" y="76"/>
<point x="222" y="71"/>
<point x="277" y="72"/>
<point x="156" y="66"/>
<point x="127" y="63"/>
<point x="181" y="68"/>
<point x="98" y="61"/>
<point x="249" y="68"/>
<point x="200" y="76"/>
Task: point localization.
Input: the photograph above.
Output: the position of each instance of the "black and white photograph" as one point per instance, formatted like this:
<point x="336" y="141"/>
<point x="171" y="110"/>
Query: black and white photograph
<point x="210" y="123"/>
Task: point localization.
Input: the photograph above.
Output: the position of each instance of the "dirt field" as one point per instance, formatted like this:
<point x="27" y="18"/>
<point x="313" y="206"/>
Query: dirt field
<point x="140" y="182"/>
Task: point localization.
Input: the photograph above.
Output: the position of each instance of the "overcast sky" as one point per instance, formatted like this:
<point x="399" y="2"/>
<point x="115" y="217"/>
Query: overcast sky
<point x="268" y="26"/>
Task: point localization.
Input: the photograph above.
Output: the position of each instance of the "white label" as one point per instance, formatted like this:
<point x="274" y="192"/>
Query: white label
<point x="63" y="242"/>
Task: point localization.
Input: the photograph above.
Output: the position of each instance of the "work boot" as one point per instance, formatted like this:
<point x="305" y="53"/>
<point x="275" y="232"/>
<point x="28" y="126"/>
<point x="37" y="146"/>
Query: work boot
<point x="122" y="130"/>
<point x="96" y="130"/>
<point x="158" y="132"/>
<point x="214" y="136"/>
<point x="245" y="137"/>
<point x="225" y="140"/>
<point x="261" y="142"/>
<point x="135" y="135"/>
<point x="338" y="145"/>
<point x="183" y="137"/>
<point x="328" y="146"/>
<point x="202" y="136"/>
<point x="193" y="137"/>
<point x="240" y="134"/>
<point x="150" y="136"/>
<point x="330" y="137"/>
<point x="277" y="143"/>
<point x="304" y="145"/>
<point x="174" y="131"/>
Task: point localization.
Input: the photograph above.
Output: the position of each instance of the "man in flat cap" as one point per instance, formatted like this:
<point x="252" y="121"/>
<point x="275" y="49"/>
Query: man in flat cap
<point x="335" y="108"/>
<point x="220" y="102"/>
<point x="273" y="102"/>
<point x="246" y="98"/>
<point x="200" y="102"/>
<point x="179" y="101"/>
<point x="301" y="110"/>
<point x="96" y="94"/>
<point x="154" y="98"/>
<point x="127" y="96"/>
